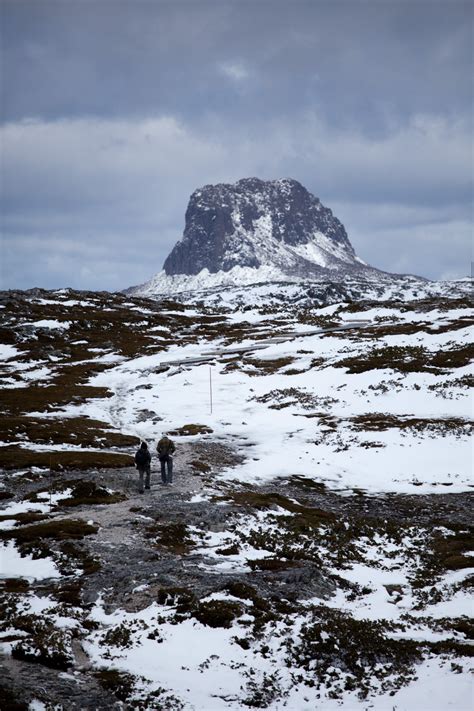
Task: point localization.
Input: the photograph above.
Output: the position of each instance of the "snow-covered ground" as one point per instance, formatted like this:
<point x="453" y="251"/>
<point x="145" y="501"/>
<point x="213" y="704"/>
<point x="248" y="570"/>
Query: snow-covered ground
<point x="379" y="411"/>
<point x="246" y="402"/>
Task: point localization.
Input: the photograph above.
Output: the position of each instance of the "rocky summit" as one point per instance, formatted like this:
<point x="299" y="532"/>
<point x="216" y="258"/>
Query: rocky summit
<point x="256" y="231"/>
<point x="255" y="223"/>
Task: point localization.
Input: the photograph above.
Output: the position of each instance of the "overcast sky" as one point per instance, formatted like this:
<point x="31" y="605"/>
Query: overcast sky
<point x="114" y="111"/>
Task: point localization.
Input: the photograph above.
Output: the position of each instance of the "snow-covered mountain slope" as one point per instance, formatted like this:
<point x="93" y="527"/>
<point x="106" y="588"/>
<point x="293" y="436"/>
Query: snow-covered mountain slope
<point x="247" y="287"/>
<point x="254" y="231"/>
<point x="315" y="550"/>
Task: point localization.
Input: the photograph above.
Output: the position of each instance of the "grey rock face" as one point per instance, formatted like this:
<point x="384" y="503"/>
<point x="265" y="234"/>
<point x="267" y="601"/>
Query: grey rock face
<point x="253" y="223"/>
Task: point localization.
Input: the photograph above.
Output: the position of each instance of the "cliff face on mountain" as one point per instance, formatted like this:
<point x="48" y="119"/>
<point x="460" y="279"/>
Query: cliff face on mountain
<point x="254" y="223"/>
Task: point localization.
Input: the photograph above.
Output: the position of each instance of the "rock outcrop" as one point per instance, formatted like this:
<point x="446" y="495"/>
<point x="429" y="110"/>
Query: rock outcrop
<point x="255" y="223"/>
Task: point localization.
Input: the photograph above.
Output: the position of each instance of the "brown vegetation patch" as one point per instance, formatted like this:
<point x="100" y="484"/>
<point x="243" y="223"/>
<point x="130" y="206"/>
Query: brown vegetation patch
<point x="182" y="598"/>
<point x="286" y="397"/>
<point x="448" y="550"/>
<point x="384" y="421"/>
<point x="45" y="643"/>
<point x="432" y="303"/>
<point x="231" y="332"/>
<point x="417" y="327"/>
<point x="272" y="564"/>
<point x="312" y="319"/>
<point x="230" y="550"/>
<point x="69" y="592"/>
<point x="361" y="650"/>
<point x="407" y="359"/>
<point x="119" y="683"/>
<point x="173" y="536"/>
<point x="59" y="529"/>
<point x="25" y="517"/>
<point x="15" y="457"/>
<point x="88" y="493"/>
<point x="464" y="626"/>
<point x="35" y="398"/>
<point x="70" y="430"/>
<point x="244" y="591"/>
<point x="15" y="585"/>
<point x="217" y="613"/>
<point x="306" y="483"/>
<point x="75" y="556"/>
<point x="260" y="366"/>
<point x="453" y="358"/>
<point x="447" y="386"/>
<point x="200" y="466"/>
<point x="271" y="499"/>
<point x="190" y="430"/>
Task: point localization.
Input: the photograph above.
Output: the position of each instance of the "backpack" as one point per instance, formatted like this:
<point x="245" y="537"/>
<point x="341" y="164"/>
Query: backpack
<point x="165" y="446"/>
<point x="141" y="457"/>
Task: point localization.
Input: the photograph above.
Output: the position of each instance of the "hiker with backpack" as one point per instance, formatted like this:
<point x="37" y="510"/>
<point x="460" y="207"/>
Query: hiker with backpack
<point x="165" y="449"/>
<point x="142" y="463"/>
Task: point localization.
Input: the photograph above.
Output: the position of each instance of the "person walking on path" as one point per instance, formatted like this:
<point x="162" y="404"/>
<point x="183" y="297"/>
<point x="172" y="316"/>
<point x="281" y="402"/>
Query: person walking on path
<point x="142" y="463"/>
<point x="165" y="449"/>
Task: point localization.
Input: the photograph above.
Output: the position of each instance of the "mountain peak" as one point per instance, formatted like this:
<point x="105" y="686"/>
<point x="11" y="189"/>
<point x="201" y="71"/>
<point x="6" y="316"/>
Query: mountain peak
<point x="255" y="223"/>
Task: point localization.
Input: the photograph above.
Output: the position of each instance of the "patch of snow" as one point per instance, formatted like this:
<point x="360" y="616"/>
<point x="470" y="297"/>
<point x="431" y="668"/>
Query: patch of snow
<point x="161" y="283"/>
<point x="7" y="352"/>
<point x="13" y="565"/>
<point x="37" y="374"/>
<point x="50" y="323"/>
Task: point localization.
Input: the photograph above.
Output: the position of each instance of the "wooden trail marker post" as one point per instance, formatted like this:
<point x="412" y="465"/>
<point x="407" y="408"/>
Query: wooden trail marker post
<point x="50" y="485"/>
<point x="210" y="387"/>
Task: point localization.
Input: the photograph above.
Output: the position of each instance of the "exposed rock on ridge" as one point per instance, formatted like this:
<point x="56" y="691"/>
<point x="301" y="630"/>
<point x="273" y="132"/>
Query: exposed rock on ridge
<point x="255" y="223"/>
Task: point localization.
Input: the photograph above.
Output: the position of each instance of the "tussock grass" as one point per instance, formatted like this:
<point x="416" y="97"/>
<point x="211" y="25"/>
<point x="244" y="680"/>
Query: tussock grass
<point x="119" y="683"/>
<point x="72" y="430"/>
<point x="200" y="466"/>
<point x="59" y="529"/>
<point x="45" y="643"/>
<point x="407" y="359"/>
<point x="15" y="457"/>
<point x="259" y="500"/>
<point x="190" y="430"/>
<point x="272" y="564"/>
<point x="25" y="517"/>
<point x="259" y="366"/>
<point x="450" y="549"/>
<point x="173" y="536"/>
<point x="384" y="421"/>
<point x="87" y="493"/>
<point x="347" y="654"/>
<point x="35" y="398"/>
<point x="217" y="613"/>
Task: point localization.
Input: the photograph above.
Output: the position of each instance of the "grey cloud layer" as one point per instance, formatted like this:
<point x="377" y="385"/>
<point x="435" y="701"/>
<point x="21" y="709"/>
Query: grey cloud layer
<point x="351" y="60"/>
<point x="114" y="112"/>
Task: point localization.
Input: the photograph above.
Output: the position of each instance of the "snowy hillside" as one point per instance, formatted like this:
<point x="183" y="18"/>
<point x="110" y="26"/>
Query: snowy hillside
<point x="244" y="287"/>
<point x="315" y="550"/>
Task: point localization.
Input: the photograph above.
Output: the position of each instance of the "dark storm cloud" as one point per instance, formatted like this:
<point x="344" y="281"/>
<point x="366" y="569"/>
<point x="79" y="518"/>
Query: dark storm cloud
<point x="115" y="111"/>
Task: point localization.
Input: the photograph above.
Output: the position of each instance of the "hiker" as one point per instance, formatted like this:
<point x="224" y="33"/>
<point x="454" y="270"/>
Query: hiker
<point x="165" y="449"/>
<point x="142" y="463"/>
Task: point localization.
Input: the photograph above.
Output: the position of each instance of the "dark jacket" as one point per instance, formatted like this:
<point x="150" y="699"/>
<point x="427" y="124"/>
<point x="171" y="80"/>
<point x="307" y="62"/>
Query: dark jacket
<point x="143" y="457"/>
<point x="165" y="447"/>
